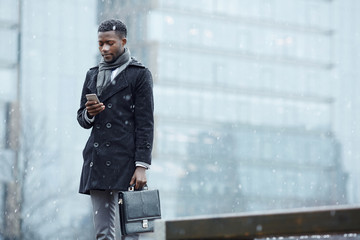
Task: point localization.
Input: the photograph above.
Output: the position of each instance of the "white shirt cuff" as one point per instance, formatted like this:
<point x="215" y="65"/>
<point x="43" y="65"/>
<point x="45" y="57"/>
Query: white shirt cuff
<point x="89" y="120"/>
<point x="142" y="164"/>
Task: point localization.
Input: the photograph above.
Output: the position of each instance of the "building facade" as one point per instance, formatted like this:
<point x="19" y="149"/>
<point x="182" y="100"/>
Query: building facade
<point x="9" y="114"/>
<point x="244" y="102"/>
<point x="47" y="48"/>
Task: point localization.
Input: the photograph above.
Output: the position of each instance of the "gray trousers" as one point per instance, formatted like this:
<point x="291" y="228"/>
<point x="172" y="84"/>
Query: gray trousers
<point x="105" y="212"/>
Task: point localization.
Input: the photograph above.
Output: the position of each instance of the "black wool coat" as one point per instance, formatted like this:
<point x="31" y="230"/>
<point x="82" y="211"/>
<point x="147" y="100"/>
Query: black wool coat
<point x="122" y="134"/>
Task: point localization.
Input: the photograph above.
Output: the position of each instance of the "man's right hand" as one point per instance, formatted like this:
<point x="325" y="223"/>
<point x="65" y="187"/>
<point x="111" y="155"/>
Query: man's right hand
<point x="94" y="108"/>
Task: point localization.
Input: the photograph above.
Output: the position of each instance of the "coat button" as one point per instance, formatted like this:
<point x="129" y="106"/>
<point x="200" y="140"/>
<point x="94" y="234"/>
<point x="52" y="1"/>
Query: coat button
<point x="109" y="105"/>
<point x="97" y="126"/>
<point x="91" y="164"/>
<point x="108" y="125"/>
<point x="96" y="144"/>
<point x="107" y="144"/>
<point x="108" y="163"/>
<point x="148" y="145"/>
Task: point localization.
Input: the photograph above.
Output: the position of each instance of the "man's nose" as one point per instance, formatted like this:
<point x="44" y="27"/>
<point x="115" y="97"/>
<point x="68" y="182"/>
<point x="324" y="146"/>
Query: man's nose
<point x="106" y="47"/>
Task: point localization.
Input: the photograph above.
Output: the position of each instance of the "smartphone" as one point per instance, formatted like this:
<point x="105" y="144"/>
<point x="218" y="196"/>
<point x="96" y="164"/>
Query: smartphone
<point x="92" y="97"/>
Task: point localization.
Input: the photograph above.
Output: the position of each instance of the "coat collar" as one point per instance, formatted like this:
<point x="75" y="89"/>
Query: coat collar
<point x="133" y="62"/>
<point x="120" y="81"/>
<point x="115" y="86"/>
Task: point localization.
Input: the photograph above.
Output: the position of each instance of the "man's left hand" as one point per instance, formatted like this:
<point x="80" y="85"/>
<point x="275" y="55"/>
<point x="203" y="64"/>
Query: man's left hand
<point x="139" y="178"/>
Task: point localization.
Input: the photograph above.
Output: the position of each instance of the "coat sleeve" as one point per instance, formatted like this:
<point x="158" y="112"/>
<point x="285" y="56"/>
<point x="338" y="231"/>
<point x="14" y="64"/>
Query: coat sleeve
<point x="144" y="117"/>
<point x="81" y="112"/>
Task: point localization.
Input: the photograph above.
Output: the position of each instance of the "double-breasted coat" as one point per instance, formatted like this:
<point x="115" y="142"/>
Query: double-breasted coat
<point x="122" y="134"/>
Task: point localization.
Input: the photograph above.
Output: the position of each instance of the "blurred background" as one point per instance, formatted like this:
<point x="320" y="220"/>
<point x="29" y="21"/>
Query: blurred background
<point x="256" y="106"/>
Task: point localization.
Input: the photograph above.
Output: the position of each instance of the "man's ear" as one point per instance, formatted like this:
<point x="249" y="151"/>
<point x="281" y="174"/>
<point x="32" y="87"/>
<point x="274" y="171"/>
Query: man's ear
<point x="123" y="41"/>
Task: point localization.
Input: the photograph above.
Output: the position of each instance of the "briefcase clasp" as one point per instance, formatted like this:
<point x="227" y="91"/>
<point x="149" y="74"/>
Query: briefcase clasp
<point x="145" y="223"/>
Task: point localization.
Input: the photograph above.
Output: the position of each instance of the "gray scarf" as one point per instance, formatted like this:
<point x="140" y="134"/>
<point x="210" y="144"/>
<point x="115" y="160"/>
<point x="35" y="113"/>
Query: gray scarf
<point x="105" y="70"/>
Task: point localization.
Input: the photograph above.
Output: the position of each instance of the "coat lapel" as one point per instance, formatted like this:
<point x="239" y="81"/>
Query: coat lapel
<point x="115" y="86"/>
<point x="92" y="82"/>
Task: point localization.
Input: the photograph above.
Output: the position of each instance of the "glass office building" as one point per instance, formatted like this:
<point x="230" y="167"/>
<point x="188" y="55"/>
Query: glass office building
<point x="46" y="51"/>
<point x="243" y="102"/>
<point x="59" y="46"/>
<point x="9" y="65"/>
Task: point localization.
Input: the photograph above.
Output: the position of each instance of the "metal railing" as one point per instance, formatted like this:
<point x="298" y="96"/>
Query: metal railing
<point x="294" y="222"/>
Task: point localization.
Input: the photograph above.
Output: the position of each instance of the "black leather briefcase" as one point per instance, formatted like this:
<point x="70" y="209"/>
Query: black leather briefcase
<point x="138" y="210"/>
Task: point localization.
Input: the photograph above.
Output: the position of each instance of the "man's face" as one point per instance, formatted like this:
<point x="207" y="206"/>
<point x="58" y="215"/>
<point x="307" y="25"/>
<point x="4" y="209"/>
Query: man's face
<point x="111" y="46"/>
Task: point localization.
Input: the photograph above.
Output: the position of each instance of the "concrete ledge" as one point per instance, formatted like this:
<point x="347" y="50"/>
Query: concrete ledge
<point x="294" y="222"/>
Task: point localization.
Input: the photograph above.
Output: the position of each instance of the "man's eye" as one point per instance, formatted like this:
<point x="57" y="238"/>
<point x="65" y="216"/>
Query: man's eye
<point x="100" y="44"/>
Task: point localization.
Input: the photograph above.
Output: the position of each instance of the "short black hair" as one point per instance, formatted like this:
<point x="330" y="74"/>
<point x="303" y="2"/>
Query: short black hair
<point x="113" y="25"/>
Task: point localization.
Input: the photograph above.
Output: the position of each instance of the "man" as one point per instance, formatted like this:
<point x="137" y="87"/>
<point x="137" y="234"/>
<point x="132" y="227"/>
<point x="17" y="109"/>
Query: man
<point x="118" y="151"/>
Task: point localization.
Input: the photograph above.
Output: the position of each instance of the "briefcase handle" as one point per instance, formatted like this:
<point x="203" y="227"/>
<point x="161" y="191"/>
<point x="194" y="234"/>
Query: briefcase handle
<point x="132" y="188"/>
